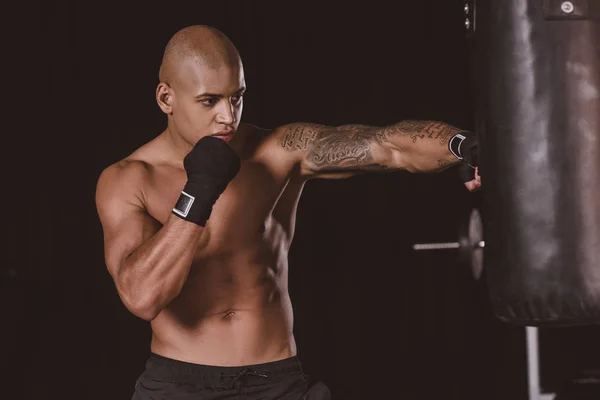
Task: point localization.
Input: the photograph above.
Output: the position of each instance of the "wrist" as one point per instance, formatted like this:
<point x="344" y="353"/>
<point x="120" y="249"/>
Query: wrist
<point x="460" y="143"/>
<point x="196" y="201"/>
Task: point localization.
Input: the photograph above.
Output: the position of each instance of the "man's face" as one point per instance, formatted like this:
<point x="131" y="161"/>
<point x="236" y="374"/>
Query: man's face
<point x="207" y="101"/>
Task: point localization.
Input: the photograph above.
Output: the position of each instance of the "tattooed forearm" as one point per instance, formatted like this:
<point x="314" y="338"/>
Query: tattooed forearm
<point x="423" y="130"/>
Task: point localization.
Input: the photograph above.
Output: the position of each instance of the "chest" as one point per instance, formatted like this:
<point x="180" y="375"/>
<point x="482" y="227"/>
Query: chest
<point x="243" y="213"/>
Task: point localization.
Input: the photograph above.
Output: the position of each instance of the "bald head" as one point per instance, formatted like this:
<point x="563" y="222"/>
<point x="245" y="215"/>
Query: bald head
<point x="201" y="44"/>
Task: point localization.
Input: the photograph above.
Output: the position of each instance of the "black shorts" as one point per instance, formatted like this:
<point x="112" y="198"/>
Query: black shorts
<point x="167" y="379"/>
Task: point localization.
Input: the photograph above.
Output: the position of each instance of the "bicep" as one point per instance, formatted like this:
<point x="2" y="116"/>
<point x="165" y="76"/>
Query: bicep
<point x="125" y="222"/>
<point x="322" y="151"/>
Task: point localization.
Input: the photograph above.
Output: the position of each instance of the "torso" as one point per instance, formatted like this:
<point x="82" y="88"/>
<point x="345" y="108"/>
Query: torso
<point x="234" y="308"/>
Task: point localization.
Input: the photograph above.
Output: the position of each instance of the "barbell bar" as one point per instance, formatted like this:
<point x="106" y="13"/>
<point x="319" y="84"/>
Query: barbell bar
<point x="470" y="244"/>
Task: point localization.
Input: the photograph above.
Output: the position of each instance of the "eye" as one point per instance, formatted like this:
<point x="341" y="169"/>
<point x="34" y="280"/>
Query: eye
<point x="237" y="99"/>
<point x="209" y="102"/>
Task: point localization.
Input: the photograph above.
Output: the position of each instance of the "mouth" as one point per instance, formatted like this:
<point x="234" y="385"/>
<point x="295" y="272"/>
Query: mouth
<point x="224" y="135"/>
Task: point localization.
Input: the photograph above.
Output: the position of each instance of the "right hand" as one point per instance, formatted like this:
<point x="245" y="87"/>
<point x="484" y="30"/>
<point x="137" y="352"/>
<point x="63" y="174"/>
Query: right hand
<point x="210" y="166"/>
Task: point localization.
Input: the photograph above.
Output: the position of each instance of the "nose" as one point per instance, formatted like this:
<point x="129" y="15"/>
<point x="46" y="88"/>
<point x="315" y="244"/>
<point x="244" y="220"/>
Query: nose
<point x="226" y="114"/>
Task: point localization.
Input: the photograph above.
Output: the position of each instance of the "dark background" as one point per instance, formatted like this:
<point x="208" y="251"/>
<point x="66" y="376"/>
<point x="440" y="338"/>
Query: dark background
<point x="373" y="318"/>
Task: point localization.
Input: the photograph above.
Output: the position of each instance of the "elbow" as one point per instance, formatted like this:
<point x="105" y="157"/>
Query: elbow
<point x="145" y="307"/>
<point x="307" y="167"/>
<point x="147" y="313"/>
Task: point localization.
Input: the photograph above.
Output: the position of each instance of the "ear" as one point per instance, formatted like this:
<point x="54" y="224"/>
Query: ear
<point x="164" y="97"/>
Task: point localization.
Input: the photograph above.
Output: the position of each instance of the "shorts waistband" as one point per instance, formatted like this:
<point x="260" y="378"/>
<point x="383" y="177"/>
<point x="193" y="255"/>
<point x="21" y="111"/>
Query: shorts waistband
<point x="176" y="371"/>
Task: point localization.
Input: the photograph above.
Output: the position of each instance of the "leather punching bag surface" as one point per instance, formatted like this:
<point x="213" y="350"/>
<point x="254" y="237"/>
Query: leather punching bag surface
<point x="535" y="67"/>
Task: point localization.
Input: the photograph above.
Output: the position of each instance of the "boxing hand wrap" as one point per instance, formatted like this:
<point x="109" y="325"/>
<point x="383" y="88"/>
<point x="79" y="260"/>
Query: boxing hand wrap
<point x="464" y="147"/>
<point x="210" y="166"/>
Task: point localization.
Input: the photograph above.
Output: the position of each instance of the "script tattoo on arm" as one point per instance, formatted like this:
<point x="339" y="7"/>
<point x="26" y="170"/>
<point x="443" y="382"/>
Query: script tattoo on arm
<point x="420" y="145"/>
<point x="345" y="148"/>
<point x="423" y="130"/>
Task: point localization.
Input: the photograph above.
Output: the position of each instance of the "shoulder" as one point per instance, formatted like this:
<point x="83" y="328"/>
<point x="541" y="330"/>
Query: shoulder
<point x="253" y="136"/>
<point x="131" y="171"/>
<point x="124" y="180"/>
<point x="126" y="171"/>
<point x="254" y="131"/>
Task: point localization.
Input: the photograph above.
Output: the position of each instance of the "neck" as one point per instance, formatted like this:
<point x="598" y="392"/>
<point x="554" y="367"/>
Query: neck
<point x="178" y="145"/>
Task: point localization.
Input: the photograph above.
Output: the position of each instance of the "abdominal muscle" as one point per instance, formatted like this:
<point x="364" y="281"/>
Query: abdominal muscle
<point x="229" y="313"/>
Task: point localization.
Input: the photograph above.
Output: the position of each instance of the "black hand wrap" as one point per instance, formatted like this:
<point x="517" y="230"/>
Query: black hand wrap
<point x="464" y="146"/>
<point x="210" y="166"/>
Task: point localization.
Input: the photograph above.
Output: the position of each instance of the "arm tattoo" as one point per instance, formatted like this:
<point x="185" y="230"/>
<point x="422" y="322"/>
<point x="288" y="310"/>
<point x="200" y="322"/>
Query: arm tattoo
<point x="423" y="130"/>
<point x="443" y="163"/>
<point x="349" y="147"/>
<point x="298" y="137"/>
<point x="344" y="148"/>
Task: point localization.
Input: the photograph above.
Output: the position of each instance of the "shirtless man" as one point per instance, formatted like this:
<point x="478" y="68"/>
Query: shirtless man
<point x="198" y="223"/>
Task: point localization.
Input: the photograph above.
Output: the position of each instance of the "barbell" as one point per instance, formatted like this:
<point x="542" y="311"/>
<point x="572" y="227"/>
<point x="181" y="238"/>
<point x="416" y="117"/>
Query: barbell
<point x="470" y="244"/>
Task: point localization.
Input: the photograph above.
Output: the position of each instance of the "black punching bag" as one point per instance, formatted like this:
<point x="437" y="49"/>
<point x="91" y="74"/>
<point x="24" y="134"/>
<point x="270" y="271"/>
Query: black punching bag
<point x="535" y="68"/>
